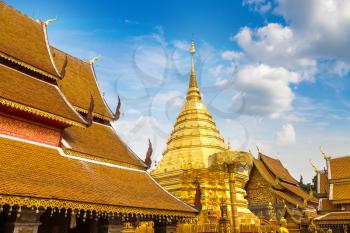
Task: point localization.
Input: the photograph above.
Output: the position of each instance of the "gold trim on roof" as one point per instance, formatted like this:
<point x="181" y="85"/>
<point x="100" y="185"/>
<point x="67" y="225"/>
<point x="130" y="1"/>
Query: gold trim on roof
<point x="96" y="158"/>
<point x="289" y="199"/>
<point x="94" y="114"/>
<point x="63" y="204"/>
<point x="28" y="66"/>
<point x="41" y="113"/>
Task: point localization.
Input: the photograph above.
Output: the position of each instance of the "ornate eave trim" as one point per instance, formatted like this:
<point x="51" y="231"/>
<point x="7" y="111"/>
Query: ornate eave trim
<point x="73" y="205"/>
<point x="28" y="66"/>
<point x="99" y="159"/>
<point x="289" y="199"/>
<point x="40" y="113"/>
<point x="94" y="114"/>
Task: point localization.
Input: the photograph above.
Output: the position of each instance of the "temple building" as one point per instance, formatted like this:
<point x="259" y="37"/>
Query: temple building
<point x="64" y="168"/>
<point x="333" y="191"/>
<point x="273" y="194"/>
<point x="199" y="168"/>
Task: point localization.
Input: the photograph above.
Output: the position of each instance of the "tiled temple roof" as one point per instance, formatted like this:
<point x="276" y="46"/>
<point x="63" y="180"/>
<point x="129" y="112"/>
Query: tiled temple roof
<point x="23" y="92"/>
<point x="42" y="173"/>
<point x="24" y="41"/>
<point x="339" y="168"/>
<point x="277" y="168"/>
<point x="79" y="83"/>
<point x="271" y="169"/>
<point x="101" y="142"/>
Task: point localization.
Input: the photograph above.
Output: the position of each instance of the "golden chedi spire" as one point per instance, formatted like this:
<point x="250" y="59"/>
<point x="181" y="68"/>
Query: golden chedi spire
<point x="195" y="136"/>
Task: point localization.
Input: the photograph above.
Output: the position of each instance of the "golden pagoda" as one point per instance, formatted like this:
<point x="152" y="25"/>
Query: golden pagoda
<point x="199" y="168"/>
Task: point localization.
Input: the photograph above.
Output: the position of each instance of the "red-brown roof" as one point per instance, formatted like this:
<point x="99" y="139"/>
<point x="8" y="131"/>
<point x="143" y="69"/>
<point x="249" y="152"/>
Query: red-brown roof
<point x="341" y="192"/>
<point x="22" y="89"/>
<point x="339" y="168"/>
<point x="79" y="83"/>
<point x="25" y="40"/>
<point x="277" y="168"/>
<point x="102" y="142"/>
<point x="29" y="170"/>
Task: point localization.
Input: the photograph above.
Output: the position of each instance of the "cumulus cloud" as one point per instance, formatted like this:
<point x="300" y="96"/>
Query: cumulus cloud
<point x="265" y="90"/>
<point x="323" y="25"/>
<point x="286" y="135"/>
<point x="137" y="132"/>
<point x="276" y="45"/>
<point x="340" y="68"/>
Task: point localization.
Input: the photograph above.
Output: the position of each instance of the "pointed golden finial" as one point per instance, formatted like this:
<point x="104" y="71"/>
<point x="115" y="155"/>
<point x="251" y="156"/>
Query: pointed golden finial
<point x="193" y="90"/>
<point x="313" y="166"/>
<point x="193" y="81"/>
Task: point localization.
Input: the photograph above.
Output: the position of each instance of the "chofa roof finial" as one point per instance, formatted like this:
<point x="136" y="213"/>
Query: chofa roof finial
<point x="47" y="22"/>
<point x="117" y="111"/>
<point x="148" y="159"/>
<point x="325" y="156"/>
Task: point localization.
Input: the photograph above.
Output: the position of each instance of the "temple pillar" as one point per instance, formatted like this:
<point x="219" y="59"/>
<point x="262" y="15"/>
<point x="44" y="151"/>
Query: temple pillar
<point x="234" y="213"/>
<point x="27" y="222"/>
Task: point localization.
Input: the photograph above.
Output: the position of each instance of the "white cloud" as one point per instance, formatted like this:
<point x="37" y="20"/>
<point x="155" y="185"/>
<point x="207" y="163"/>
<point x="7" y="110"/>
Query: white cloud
<point x="340" y="68"/>
<point x="265" y="90"/>
<point x="324" y="26"/>
<point x="132" y="111"/>
<point x="261" y="6"/>
<point x="276" y="45"/>
<point x="219" y="82"/>
<point x="136" y="133"/>
<point x="231" y="55"/>
<point x="286" y="136"/>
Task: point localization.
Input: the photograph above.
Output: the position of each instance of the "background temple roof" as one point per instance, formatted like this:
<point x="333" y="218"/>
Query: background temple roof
<point x="26" y="90"/>
<point x="79" y="83"/>
<point x="25" y="40"/>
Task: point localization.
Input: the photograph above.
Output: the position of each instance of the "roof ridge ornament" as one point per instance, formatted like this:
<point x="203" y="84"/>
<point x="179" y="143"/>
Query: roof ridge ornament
<point x="90" y="116"/>
<point x="148" y="159"/>
<point x="94" y="59"/>
<point x="325" y="156"/>
<point x="49" y="21"/>
<point x="117" y="111"/>
<point x="313" y="166"/>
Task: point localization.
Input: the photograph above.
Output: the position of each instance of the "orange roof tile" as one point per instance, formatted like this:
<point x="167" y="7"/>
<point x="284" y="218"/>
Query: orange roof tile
<point x="276" y="167"/>
<point x="25" y="40"/>
<point x="102" y="142"/>
<point x="41" y="172"/>
<point x="341" y="192"/>
<point x="79" y="83"/>
<point x="339" y="168"/>
<point x="26" y="90"/>
<point x="323" y="182"/>
<point x="326" y="205"/>
<point x="334" y="216"/>
<point x="295" y="189"/>
<point x="264" y="171"/>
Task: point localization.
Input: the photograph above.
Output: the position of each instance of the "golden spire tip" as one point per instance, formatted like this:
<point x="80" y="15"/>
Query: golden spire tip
<point x="192" y="48"/>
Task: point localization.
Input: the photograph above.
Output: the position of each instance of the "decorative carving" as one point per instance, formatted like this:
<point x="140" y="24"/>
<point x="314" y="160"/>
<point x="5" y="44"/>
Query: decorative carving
<point x="117" y="111"/>
<point x="90" y="116"/>
<point x="148" y="159"/>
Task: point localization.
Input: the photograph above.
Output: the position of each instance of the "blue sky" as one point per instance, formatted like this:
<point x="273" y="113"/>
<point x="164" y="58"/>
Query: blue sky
<point x="273" y="73"/>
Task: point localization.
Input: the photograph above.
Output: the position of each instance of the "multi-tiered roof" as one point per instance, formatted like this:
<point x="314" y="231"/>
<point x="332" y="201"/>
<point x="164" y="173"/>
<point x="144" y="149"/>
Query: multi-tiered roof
<point x="51" y="156"/>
